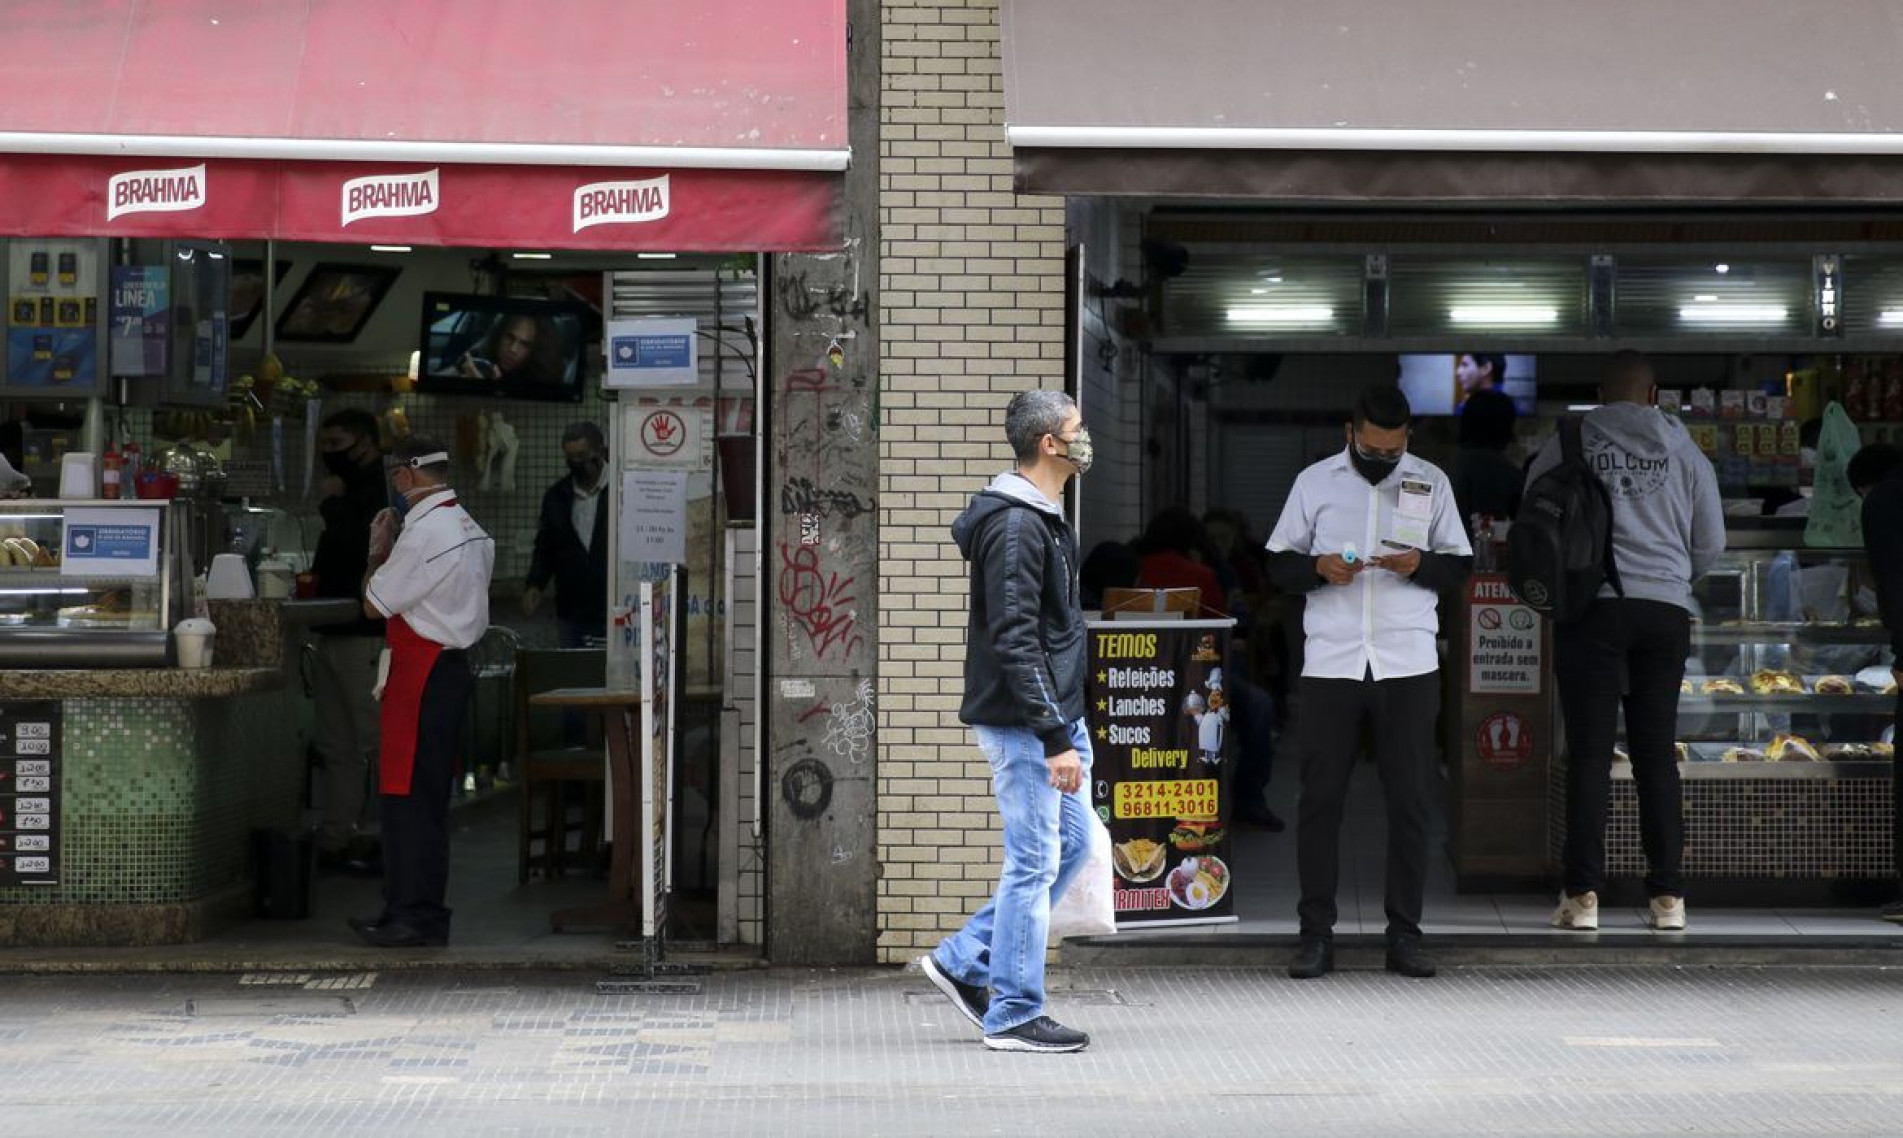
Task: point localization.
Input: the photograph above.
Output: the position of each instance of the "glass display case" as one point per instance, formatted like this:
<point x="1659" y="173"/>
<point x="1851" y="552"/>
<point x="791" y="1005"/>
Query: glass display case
<point x="90" y="583"/>
<point x="1790" y="671"/>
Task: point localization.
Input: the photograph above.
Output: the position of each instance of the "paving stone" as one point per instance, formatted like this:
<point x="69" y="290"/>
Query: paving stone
<point x="1477" y="1051"/>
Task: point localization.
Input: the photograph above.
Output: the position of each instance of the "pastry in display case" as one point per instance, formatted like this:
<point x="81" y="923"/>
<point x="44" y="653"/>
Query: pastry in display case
<point x="1790" y="671"/>
<point x="90" y="584"/>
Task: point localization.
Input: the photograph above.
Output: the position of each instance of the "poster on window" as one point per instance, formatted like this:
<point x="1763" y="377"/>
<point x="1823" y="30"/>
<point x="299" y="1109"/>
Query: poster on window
<point x="138" y="327"/>
<point x="1160" y="713"/>
<point x="53" y="316"/>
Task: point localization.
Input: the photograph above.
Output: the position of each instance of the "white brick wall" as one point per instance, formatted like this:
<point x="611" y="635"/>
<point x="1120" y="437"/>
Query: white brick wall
<point x="971" y="298"/>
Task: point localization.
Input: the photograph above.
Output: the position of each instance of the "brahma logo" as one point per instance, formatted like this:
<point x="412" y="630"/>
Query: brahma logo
<point x="155" y="191"/>
<point x="391" y="195"/>
<point x="620" y="203"/>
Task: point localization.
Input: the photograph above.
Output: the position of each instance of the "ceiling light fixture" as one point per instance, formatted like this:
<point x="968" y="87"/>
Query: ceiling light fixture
<point x="1722" y="268"/>
<point x="1281" y="314"/>
<point x="1890" y="317"/>
<point x="1517" y="315"/>
<point x="533" y="256"/>
<point x="1733" y="314"/>
<point x="389" y="248"/>
<point x="1707" y="298"/>
<point x="654" y="256"/>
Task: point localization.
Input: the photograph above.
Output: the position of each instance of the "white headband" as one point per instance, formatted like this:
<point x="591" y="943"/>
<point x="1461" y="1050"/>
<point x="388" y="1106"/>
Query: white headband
<point x="439" y="458"/>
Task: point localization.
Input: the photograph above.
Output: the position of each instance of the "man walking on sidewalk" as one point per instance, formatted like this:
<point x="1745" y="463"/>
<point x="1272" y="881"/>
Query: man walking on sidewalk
<point x="1024" y="701"/>
<point x="1629" y="649"/>
<point x="1372" y="536"/>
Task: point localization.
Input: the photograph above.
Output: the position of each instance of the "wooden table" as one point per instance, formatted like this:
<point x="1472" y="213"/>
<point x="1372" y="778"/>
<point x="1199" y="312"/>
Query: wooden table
<point x="623" y="908"/>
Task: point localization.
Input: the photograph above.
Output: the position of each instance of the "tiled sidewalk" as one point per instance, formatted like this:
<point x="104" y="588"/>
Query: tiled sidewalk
<point x="1507" y="1051"/>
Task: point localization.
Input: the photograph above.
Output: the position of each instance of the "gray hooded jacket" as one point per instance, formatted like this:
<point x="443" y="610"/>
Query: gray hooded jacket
<point x="1668" y="523"/>
<point x="1024" y="659"/>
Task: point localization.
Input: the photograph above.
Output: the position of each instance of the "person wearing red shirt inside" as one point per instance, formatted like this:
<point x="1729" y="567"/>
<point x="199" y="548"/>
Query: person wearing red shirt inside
<point x="1171" y="547"/>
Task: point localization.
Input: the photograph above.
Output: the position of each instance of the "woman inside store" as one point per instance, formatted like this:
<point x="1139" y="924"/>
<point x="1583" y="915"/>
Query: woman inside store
<point x="520" y="350"/>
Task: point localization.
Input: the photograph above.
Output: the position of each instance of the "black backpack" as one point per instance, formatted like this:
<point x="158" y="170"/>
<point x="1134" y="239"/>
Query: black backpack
<point x="1559" y="552"/>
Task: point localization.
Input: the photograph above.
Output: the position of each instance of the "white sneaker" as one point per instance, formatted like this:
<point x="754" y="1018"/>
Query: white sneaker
<point x="1581" y="912"/>
<point x="1668" y="914"/>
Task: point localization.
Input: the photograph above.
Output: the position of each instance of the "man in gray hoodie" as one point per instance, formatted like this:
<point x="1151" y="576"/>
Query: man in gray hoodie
<point x="1668" y="528"/>
<point x="1024" y="700"/>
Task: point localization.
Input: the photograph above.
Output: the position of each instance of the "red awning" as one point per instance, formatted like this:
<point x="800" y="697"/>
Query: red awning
<point x="579" y="124"/>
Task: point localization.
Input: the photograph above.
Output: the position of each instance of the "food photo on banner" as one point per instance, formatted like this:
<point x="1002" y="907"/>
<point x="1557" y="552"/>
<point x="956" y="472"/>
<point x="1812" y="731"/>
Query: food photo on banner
<point x="1160" y="723"/>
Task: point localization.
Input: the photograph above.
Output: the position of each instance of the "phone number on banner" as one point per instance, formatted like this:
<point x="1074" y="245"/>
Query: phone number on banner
<point x="1181" y="798"/>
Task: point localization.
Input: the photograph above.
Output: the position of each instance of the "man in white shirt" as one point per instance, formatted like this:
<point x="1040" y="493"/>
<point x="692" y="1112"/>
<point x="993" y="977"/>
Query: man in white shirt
<point x="1371" y="536"/>
<point x="430" y="584"/>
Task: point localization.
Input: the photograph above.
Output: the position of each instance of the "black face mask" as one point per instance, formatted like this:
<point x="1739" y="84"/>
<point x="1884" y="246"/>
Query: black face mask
<point x="586" y="471"/>
<point x="1375" y="470"/>
<point x="339" y="463"/>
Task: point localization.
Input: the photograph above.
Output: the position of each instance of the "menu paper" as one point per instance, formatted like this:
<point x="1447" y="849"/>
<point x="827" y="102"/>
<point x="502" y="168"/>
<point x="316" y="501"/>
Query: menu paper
<point x="30" y="739"/>
<point x="1160" y="718"/>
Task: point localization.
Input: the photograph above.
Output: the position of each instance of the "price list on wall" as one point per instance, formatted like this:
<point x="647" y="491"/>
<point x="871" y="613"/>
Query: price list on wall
<point x="29" y="793"/>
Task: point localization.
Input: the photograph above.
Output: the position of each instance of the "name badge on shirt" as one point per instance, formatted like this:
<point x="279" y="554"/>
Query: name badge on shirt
<point x="1414" y="516"/>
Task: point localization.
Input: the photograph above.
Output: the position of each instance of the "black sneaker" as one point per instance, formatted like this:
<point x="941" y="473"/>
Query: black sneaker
<point x="1315" y="958"/>
<point x="970" y="1000"/>
<point x="1892" y="912"/>
<point x="1041" y="1034"/>
<point x="1407" y="957"/>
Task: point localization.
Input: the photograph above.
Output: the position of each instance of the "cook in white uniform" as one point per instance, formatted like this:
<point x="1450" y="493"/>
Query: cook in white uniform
<point x="1372" y="536"/>
<point x="430" y="582"/>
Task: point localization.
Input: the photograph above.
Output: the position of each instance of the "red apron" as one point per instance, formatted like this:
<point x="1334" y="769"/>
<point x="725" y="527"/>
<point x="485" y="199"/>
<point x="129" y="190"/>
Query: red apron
<point x="411" y="659"/>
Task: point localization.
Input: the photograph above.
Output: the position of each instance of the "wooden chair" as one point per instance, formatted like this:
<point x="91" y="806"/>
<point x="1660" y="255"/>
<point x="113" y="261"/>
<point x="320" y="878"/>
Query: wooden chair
<point x="549" y="766"/>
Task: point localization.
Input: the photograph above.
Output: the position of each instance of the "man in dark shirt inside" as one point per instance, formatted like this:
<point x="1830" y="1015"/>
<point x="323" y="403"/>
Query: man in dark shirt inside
<point x="571" y="542"/>
<point x="345" y="672"/>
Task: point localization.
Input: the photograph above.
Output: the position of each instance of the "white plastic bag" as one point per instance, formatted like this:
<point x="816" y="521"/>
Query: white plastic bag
<point x="1087" y="908"/>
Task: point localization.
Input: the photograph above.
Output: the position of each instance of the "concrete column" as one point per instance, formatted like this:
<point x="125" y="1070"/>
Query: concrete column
<point x="822" y="573"/>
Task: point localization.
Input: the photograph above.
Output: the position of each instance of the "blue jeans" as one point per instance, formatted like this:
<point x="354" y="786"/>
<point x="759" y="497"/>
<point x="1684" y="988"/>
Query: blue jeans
<point x="1046" y="841"/>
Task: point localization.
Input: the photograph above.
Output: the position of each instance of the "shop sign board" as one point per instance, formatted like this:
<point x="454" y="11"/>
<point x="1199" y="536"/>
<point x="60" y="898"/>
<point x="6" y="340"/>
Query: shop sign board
<point x="519" y="206"/>
<point x="1160" y="722"/>
<point x="653" y="351"/>
<point x="30" y="743"/>
<point x="657" y="748"/>
<point x="1505" y="640"/>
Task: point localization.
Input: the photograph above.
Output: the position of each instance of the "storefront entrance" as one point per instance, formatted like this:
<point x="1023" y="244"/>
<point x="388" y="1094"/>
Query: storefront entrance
<point x="201" y="276"/>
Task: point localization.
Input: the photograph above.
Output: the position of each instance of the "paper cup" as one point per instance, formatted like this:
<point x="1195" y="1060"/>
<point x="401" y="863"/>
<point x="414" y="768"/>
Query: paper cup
<point x="194" y="640"/>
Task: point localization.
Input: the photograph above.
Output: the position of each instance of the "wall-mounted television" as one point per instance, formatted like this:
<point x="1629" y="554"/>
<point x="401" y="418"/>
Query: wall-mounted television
<point x="1438" y="383"/>
<point x="502" y="346"/>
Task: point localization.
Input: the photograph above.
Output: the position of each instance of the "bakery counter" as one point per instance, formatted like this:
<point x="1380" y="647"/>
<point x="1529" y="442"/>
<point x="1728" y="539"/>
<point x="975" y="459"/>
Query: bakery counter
<point x="160" y="779"/>
<point x="144" y="683"/>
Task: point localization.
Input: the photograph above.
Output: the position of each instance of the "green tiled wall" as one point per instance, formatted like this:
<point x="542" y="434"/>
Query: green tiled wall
<point x="160" y="795"/>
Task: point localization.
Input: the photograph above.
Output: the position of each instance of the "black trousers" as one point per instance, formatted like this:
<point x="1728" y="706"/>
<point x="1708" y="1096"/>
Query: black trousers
<point x="416" y="825"/>
<point x="1630" y="653"/>
<point x="1403" y="713"/>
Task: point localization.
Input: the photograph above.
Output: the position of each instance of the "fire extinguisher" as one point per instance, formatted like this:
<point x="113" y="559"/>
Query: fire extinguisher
<point x="109" y="467"/>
